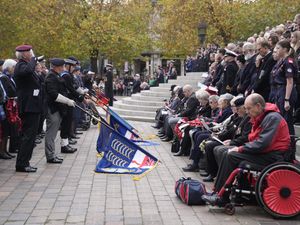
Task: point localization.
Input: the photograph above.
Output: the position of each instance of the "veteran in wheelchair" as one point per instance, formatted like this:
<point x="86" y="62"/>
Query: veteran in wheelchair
<point x="263" y="167"/>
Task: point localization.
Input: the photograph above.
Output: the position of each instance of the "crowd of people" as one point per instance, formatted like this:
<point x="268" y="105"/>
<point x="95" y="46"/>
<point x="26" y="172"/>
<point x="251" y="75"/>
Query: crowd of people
<point x="246" y="110"/>
<point x="31" y="94"/>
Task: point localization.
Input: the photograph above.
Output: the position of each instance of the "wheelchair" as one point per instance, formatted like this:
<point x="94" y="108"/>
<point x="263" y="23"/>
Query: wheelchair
<point x="276" y="188"/>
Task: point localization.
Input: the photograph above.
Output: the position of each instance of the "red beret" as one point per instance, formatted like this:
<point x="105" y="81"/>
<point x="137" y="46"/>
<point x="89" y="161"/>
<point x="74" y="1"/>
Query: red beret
<point x="23" y="48"/>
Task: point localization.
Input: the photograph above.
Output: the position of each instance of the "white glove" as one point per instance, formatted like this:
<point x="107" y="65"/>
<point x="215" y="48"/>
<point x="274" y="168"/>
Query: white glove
<point x="85" y="90"/>
<point x="80" y="91"/>
<point x="64" y="100"/>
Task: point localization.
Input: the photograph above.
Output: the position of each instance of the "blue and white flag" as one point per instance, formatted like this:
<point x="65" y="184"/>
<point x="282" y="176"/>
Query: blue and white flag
<point x="125" y="129"/>
<point x="121" y="156"/>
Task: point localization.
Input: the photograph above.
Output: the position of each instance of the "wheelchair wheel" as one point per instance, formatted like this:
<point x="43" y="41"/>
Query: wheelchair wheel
<point x="278" y="190"/>
<point x="229" y="209"/>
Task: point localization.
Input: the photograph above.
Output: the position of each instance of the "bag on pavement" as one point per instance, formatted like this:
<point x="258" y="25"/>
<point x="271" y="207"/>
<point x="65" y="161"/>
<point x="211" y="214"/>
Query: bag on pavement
<point x="190" y="191"/>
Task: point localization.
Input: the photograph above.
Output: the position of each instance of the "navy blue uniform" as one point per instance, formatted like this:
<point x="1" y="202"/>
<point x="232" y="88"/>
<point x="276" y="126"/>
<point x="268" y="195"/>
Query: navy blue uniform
<point x="283" y="70"/>
<point x="30" y="101"/>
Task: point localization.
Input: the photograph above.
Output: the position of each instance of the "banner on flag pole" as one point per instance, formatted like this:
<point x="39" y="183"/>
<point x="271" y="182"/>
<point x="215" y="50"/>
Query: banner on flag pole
<point x="120" y="155"/>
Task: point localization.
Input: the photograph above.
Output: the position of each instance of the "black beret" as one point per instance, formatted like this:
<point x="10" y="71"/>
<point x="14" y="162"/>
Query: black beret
<point x="239" y="102"/>
<point x="172" y="87"/>
<point x="57" y="62"/>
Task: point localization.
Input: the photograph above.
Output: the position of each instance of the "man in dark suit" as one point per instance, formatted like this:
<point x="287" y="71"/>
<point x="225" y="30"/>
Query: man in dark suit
<point x="30" y="104"/>
<point x="230" y="71"/>
<point x="262" y="84"/>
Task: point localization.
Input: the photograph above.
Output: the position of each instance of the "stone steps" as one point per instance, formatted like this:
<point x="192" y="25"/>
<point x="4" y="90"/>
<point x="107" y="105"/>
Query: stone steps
<point x="142" y="106"/>
<point x="129" y="112"/>
<point x="155" y="94"/>
<point x="138" y="107"/>
<point x="130" y="101"/>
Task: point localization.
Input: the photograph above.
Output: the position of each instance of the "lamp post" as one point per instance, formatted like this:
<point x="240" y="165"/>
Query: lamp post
<point x="154" y="2"/>
<point x="202" y="32"/>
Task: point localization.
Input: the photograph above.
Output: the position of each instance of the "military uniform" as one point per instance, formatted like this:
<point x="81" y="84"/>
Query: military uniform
<point x="30" y="106"/>
<point x="57" y="108"/>
<point x="284" y="69"/>
<point x="66" y="124"/>
<point x="109" y="93"/>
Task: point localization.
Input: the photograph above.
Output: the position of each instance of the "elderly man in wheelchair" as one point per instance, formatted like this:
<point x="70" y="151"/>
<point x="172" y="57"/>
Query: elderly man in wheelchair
<point x="260" y="166"/>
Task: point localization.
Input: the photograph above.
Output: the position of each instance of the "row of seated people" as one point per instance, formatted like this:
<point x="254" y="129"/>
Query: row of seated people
<point x="219" y="132"/>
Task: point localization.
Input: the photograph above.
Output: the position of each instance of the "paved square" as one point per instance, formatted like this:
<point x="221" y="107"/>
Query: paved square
<point x="71" y="193"/>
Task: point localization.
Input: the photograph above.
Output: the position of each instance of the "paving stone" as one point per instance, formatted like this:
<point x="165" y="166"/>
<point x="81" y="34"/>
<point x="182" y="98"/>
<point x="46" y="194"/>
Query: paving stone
<point x="71" y="193"/>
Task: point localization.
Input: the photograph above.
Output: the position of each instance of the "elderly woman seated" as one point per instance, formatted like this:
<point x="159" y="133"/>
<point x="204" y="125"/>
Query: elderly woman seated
<point x="202" y="134"/>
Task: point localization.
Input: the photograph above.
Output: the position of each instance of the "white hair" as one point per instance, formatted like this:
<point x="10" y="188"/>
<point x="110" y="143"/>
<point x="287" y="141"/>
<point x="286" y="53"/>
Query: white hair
<point x="202" y="94"/>
<point x="214" y="98"/>
<point x="249" y="46"/>
<point x="176" y="89"/>
<point x="19" y="55"/>
<point x="9" y="63"/>
<point x="188" y="87"/>
<point x="227" y="97"/>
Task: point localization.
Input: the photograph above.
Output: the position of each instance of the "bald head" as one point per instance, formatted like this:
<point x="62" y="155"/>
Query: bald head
<point x="187" y="90"/>
<point x="255" y="105"/>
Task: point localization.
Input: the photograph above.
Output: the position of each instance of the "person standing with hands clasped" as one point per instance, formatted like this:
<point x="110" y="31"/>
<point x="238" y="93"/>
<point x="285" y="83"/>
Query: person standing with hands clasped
<point x="57" y="103"/>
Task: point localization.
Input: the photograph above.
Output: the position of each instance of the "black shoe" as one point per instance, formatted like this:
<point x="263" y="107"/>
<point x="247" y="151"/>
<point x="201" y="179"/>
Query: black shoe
<point x="67" y="149"/>
<point x="190" y="168"/>
<point x="72" y="142"/>
<point x="3" y="155"/>
<point x="214" y="199"/>
<point x="37" y="141"/>
<point x="27" y="169"/>
<point x="59" y="157"/>
<point x="55" y="160"/>
<point x="34" y="167"/>
<point x="204" y="174"/>
<point x="13" y="151"/>
<point x="10" y="155"/>
<point x="209" y="178"/>
<point x="74" y="137"/>
<point x="155" y="126"/>
<point x="166" y="139"/>
<point x="179" y="153"/>
<point x="74" y="149"/>
<point x="78" y="132"/>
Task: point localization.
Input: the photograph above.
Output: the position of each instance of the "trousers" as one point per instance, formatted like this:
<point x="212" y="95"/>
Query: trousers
<point x="30" y="124"/>
<point x="53" y="121"/>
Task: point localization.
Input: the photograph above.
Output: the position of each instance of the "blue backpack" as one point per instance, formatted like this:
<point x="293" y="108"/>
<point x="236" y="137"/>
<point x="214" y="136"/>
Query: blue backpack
<point x="190" y="191"/>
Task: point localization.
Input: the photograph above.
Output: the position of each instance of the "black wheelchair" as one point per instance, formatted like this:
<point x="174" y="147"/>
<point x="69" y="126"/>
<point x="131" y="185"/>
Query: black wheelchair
<point x="276" y="188"/>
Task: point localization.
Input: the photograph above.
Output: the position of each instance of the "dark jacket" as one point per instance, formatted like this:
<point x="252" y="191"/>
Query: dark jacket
<point x="9" y="85"/>
<point x="229" y="75"/>
<point x="241" y="133"/>
<point x="71" y="87"/>
<point x="229" y="130"/>
<point x="223" y="114"/>
<point x="245" y="78"/>
<point x="190" y="107"/>
<point x="262" y="84"/>
<point x="54" y="85"/>
<point x="136" y="86"/>
<point x="29" y="87"/>
<point x="269" y="132"/>
<point x="205" y="111"/>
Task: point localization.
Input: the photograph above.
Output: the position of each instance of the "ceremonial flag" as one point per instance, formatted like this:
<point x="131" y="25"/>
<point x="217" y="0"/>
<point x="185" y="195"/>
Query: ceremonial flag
<point x="120" y="125"/>
<point x="121" y="156"/>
